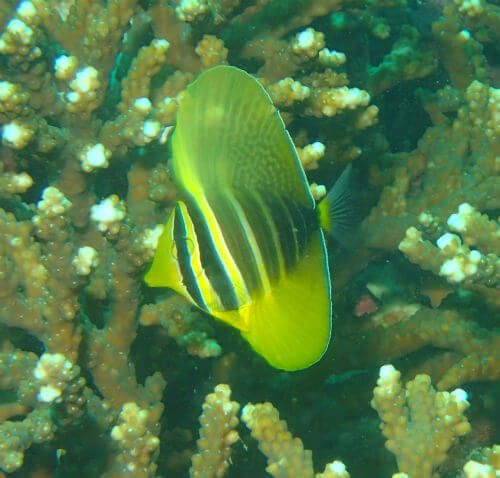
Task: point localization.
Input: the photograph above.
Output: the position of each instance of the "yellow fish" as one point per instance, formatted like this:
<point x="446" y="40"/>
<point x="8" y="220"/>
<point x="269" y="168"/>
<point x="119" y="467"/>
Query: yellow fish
<point x="244" y="242"/>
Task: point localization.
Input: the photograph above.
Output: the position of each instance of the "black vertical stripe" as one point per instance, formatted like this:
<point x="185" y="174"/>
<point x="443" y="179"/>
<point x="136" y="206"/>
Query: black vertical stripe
<point x="253" y="208"/>
<point x="304" y="221"/>
<point x="237" y="242"/>
<point x="284" y="227"/>
<point x="210" y="260"/>
<point x="184" y="258"/>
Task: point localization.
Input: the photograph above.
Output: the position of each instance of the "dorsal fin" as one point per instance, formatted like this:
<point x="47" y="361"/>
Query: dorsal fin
<point x="230" y="136"/>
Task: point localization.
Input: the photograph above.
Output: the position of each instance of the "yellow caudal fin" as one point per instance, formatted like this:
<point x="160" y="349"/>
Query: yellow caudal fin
<point x="291" y="326"/>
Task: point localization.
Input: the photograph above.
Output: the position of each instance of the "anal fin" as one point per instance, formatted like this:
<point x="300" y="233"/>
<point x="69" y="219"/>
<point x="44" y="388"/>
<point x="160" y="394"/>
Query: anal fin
<point x="291" y="326"/>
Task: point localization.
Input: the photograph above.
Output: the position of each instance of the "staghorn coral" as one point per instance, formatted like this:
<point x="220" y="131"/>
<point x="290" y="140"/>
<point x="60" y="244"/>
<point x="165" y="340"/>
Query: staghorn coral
<point x="440" y="172"/>
<point x="218" y="422"/>
<point x="182" y="323"/>
<point x="487" y="467"/>
<point x="407" y="60"/>
<point x="88" y="97"/>
<point x="419" y="423"/>
<point x="286" y="456"/>
<point x="454" y="261"/>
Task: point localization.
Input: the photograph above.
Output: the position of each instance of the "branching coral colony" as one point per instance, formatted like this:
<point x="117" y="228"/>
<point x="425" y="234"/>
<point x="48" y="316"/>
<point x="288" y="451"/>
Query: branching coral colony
<point x="88" y="95"/>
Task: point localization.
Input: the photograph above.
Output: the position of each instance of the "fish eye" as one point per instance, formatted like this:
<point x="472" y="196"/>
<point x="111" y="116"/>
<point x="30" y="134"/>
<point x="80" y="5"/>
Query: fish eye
<point x="190" y="248"/>
<point x="190" y="245"/>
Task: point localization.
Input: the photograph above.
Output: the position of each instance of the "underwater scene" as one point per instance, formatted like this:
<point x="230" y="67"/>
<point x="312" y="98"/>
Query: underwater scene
<point x="249" y="238"/>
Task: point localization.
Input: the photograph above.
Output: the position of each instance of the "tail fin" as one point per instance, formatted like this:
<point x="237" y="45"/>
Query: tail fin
<point x="337" y="211"/>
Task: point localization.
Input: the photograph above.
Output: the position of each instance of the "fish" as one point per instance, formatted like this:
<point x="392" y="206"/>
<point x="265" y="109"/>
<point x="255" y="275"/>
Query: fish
<point x="244" y="241"/>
